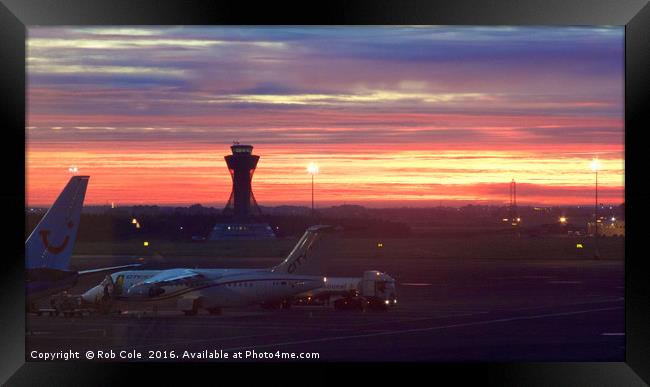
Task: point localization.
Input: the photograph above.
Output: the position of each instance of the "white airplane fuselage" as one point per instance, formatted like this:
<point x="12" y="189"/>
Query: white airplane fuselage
<point x="215" y="288"/>
<point x="212" y="289"/>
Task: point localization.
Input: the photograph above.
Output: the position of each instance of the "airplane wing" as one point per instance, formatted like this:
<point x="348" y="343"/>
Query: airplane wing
<point x="172" y="275"/>
<point x="91" y="271"/>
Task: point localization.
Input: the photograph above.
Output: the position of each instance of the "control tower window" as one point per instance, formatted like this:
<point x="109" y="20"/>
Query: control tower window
<point x="242" y="149"/>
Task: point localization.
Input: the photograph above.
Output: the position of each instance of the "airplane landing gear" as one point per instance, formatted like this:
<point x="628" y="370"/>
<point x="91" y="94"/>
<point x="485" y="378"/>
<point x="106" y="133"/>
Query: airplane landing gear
<point x="189" y="306"/>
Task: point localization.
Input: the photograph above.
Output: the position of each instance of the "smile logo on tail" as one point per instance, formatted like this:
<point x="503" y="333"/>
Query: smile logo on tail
<point x="51" y="248"/>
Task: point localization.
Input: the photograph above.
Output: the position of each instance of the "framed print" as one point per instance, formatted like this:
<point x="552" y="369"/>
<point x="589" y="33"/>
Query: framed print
<point x="419" y="184"/>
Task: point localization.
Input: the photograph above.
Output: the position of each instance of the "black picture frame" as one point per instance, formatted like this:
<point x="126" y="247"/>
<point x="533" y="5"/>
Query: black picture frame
<point x="15" y="15"/>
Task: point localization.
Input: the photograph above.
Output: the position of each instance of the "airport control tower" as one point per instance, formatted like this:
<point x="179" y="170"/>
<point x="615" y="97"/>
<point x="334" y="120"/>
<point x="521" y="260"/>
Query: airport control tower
<point x="241" y="164"/>
<point x="242" y="209"/>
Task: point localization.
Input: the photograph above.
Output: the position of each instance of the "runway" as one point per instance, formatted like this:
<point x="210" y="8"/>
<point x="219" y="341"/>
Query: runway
<point x="474" y="310"/>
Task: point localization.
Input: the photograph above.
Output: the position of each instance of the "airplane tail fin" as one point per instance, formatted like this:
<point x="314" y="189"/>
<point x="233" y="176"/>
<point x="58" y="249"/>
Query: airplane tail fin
<point x="302" y="258"/>
<point x="50" y="244"/>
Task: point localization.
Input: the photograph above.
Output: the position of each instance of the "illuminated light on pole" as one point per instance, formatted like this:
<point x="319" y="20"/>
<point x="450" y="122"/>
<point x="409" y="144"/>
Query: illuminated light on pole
<point x="313" y="170"/>
<point x="73" y="170"/>
<point x="134" y="221"/>
<point x="562" y="220"/>
<point x="595" y="166"/>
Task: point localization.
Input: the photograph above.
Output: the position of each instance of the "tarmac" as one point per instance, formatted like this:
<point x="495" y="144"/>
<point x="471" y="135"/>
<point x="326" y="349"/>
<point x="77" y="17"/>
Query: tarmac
<point x="448" y="310"/>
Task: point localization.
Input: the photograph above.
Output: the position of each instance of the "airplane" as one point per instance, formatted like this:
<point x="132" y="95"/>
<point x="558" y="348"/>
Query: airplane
<point x="48" y="248"/>
<point x="210" y="289"/>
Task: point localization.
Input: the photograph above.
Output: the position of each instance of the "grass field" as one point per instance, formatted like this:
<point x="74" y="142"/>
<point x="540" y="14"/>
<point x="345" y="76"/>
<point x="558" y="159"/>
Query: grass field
<point x="476" y="247"/>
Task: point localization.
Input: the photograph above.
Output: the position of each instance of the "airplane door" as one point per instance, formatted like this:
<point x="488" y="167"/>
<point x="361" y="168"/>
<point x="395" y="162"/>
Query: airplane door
<point x="119" y="285"/>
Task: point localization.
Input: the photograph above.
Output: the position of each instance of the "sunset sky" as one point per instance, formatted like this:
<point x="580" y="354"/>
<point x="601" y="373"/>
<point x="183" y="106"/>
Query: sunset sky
<point x="412" y="116"/>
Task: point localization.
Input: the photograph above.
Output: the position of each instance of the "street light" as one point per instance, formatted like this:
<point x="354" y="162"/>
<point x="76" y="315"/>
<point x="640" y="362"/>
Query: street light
<point x="595" y="166"/>
<point x="313" y="170"/>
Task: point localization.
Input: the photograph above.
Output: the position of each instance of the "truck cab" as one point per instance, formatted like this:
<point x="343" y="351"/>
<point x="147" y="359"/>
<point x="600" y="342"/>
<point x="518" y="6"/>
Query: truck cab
<point x="378" y="289"/>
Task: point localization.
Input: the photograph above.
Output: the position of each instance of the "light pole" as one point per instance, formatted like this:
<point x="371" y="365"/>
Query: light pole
<point x="595" y="166"/>
<point x="313" y="170"/>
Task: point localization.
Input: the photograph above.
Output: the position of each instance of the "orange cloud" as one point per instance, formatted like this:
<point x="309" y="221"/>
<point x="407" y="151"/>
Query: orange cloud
<point x="350" y="173"/>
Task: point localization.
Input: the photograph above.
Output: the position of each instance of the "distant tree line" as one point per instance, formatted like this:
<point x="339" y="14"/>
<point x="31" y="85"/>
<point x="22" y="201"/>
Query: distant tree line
<point x="182" y="226"/>
<point x="183" y="223"/>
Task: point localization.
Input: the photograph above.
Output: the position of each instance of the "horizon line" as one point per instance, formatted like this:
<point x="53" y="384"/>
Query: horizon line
<point x="307" y="206"/>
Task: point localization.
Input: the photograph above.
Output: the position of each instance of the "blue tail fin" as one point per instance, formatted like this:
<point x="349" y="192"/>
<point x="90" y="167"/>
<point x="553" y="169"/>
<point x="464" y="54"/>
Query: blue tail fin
<point x="50" y="244"/>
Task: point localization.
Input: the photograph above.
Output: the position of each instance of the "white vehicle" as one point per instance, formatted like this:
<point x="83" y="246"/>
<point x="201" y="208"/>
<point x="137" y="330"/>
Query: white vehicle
<point x="375" y="290"/>
<point x="212" y="289"/>
<point x="49" y="247"/>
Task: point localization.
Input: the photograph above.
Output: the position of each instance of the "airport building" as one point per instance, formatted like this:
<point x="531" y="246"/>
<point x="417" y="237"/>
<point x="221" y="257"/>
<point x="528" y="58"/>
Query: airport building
<point x="607" y="228"/>
<point x="242" y="209"/>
